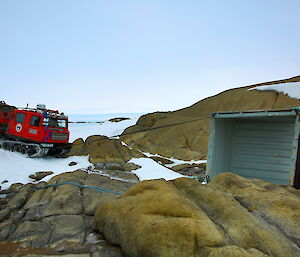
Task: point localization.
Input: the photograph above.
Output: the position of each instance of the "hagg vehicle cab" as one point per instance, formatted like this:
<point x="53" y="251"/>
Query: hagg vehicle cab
<point x="35" y="131"/>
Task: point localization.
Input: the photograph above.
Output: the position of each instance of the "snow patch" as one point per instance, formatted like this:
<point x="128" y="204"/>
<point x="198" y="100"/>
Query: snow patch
<point x="15" y="167"/>
<point x="152" y="170"/>
<point x="107" y="128"/>
<point x="291" y="89"/>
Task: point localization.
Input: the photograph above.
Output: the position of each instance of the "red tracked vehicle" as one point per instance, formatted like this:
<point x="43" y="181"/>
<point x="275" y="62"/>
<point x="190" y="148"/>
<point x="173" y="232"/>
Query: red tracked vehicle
<point x="33" y="131"/>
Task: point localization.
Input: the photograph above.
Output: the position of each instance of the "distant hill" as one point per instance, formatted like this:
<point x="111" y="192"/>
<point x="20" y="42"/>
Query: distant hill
<point x="189" y="141"/>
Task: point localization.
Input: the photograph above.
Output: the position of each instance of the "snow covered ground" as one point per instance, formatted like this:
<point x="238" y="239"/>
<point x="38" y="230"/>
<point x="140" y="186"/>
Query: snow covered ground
<point x="152" y="170"/>
<point x="291" y="89"/>
<point x="107" y="128"/>
<point x="15" y="167"/>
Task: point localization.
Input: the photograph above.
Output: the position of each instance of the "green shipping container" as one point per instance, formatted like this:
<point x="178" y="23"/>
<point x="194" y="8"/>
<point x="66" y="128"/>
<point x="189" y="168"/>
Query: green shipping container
<point x="256" y="144"/>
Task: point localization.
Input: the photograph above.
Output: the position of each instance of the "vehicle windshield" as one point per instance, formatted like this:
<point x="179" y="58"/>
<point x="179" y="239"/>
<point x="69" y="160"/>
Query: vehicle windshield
<point x="55" y="123"/>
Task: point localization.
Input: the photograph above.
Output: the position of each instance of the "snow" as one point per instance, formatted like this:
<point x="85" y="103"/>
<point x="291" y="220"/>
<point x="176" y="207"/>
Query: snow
<point x="291" y="89"/>
<point x="107" y="128"/>
<point x="16" y="167"/>
<point x="152" y="170"/>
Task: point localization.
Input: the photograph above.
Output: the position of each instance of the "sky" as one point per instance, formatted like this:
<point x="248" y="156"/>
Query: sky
<point x="132" y="56"/>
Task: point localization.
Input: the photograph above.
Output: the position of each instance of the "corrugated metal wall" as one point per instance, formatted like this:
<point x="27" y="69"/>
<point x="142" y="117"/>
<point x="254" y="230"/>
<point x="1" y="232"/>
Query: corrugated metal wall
<point x="262" y="150"/>
<point x="220" y="143"/>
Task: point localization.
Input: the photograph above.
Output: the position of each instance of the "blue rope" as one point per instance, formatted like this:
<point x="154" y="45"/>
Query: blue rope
<point x="99" y="189"/>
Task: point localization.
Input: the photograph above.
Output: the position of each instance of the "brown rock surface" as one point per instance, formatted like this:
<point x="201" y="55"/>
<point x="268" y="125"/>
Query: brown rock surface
<point x="231" y="216"/>
<point x="189" y="141"/>
<point x="78" y="148"/>
<point x="102" y="149"/>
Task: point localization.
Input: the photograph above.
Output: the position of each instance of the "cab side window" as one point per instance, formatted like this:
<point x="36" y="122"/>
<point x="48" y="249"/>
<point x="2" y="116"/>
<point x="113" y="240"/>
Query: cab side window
<point x="35" y="121"/>
<point x="20" y="117"/>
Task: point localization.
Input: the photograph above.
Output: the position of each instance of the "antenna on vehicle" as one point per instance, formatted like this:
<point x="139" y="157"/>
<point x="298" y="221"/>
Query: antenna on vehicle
<point x="27" y="105"/>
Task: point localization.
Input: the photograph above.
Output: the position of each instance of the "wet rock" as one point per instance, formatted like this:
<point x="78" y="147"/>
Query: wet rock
<point x="40" y="175"/>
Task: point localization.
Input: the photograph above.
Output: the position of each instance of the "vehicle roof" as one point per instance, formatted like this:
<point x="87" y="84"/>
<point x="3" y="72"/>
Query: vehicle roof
<point x="44" y="112"/>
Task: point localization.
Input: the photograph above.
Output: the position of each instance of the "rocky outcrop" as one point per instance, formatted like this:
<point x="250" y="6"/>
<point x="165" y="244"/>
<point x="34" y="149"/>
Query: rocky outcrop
<point x="231" y="216"/>
<point x="57" y="219"/>
<point x="101" y="149"/>
<point x="188" y="141"/>
<point x="118" y="119"/>
<point x="37" y="176"/>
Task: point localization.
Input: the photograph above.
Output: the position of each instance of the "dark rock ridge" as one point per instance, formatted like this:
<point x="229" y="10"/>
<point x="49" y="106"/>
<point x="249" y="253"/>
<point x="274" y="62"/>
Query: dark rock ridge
<point x="118" y="119"/>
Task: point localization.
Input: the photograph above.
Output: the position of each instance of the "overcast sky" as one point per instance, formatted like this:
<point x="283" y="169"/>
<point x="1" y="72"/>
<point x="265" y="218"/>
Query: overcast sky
<point x="141" y="56"/>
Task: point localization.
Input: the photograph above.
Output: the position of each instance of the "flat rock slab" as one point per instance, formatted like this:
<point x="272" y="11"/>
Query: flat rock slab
<point x="49" y="217"/>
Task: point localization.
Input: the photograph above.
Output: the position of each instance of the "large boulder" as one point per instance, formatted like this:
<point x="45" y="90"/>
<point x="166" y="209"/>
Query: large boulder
<point x="78" y="148"/>
<point x="188" y="140"/>
<point x="231" y="216"/>
<point x="101" y="149"/>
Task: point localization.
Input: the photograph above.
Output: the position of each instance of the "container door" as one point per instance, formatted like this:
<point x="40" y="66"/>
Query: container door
<point x="263" y="149"/>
